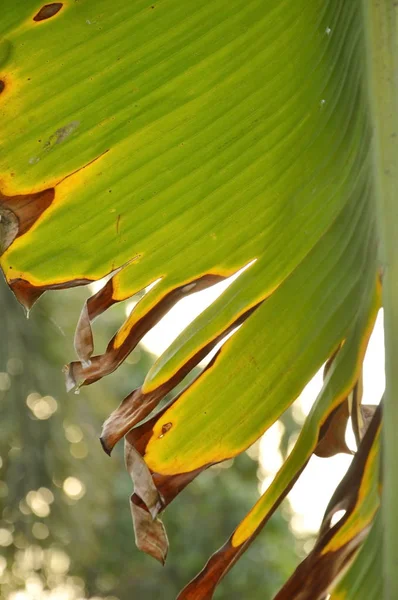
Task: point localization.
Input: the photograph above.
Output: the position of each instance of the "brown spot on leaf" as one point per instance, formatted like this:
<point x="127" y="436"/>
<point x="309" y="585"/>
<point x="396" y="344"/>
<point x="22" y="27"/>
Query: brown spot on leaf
<point x="167" y="486"/>
<point x="165" y="428"/>
<point x="2" y="86"/>
<point x="47" y="11"/>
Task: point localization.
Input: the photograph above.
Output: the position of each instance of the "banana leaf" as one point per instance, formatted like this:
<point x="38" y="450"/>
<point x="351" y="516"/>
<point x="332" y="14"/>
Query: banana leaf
<point x="168" y="147"/>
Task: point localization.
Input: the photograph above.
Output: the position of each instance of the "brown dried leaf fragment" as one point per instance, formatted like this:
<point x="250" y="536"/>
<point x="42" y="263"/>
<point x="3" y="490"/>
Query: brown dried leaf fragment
<point x="332" y="433"/>
<point x="25" y="210"/>
<point x="8" y="228"/>
<point x="311" y="580"/>
<point x="346" y="493"/>
<point x="144" y="486"/>
<point x="152" y="491"/>
<point x="89" y="371"/>
<point x="145" y="503"/>
<point x="331" y="438"/>
<point x="47" y="11"/>
<point x="168" y="486"/>
<point x="150" y="534"/>
<point x="27" y="294"/>
<point x="135" y="407"/>
<point x="93" y="307"/>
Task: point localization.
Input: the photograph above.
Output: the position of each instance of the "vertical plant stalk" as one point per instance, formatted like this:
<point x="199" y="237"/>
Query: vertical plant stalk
<point x="382" y="61"/>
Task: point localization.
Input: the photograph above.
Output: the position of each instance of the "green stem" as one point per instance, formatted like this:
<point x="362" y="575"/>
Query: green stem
<point x="381" y="18"/>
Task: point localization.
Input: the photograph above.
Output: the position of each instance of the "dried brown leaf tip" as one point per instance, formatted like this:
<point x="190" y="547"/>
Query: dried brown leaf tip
<point x="152" y="493"/>
<point x="145" y="504"/>
<point x="150" y="534"/>
<point x="27" y="294"/>
<point x="331" y="440"/>
<point x="332" y="434"/>
<point x="47" y="11"/>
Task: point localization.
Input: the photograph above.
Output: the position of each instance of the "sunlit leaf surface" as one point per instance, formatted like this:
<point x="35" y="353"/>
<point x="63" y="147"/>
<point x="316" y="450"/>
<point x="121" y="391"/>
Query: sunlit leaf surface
<point x="171" y="145"/>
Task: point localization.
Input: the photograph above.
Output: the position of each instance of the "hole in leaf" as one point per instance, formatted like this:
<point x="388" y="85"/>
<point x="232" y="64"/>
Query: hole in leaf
<point x="338" y="515"/>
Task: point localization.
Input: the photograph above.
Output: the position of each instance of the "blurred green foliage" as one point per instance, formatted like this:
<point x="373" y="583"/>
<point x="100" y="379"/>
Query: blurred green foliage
<point x="65" y="528"/>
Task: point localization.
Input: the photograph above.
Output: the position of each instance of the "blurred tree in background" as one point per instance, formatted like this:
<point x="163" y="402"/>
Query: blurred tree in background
<point x="65" y="527"/>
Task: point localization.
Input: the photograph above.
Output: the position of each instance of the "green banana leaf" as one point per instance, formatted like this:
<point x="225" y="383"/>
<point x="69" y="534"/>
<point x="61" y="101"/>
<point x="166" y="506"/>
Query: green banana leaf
<point x="364" y="573"/>
<point x="170" y="146"/>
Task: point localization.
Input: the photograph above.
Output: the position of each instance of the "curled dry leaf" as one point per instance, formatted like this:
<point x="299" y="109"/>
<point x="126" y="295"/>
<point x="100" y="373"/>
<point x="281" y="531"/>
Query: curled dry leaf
<point x="336" y="545"/>
<point x="142" y="479"/>
<point x="145" y="503"/>
<point x="89" y="370"/>
<point x="332" y="436"/>
<point x="150" y="534"/>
